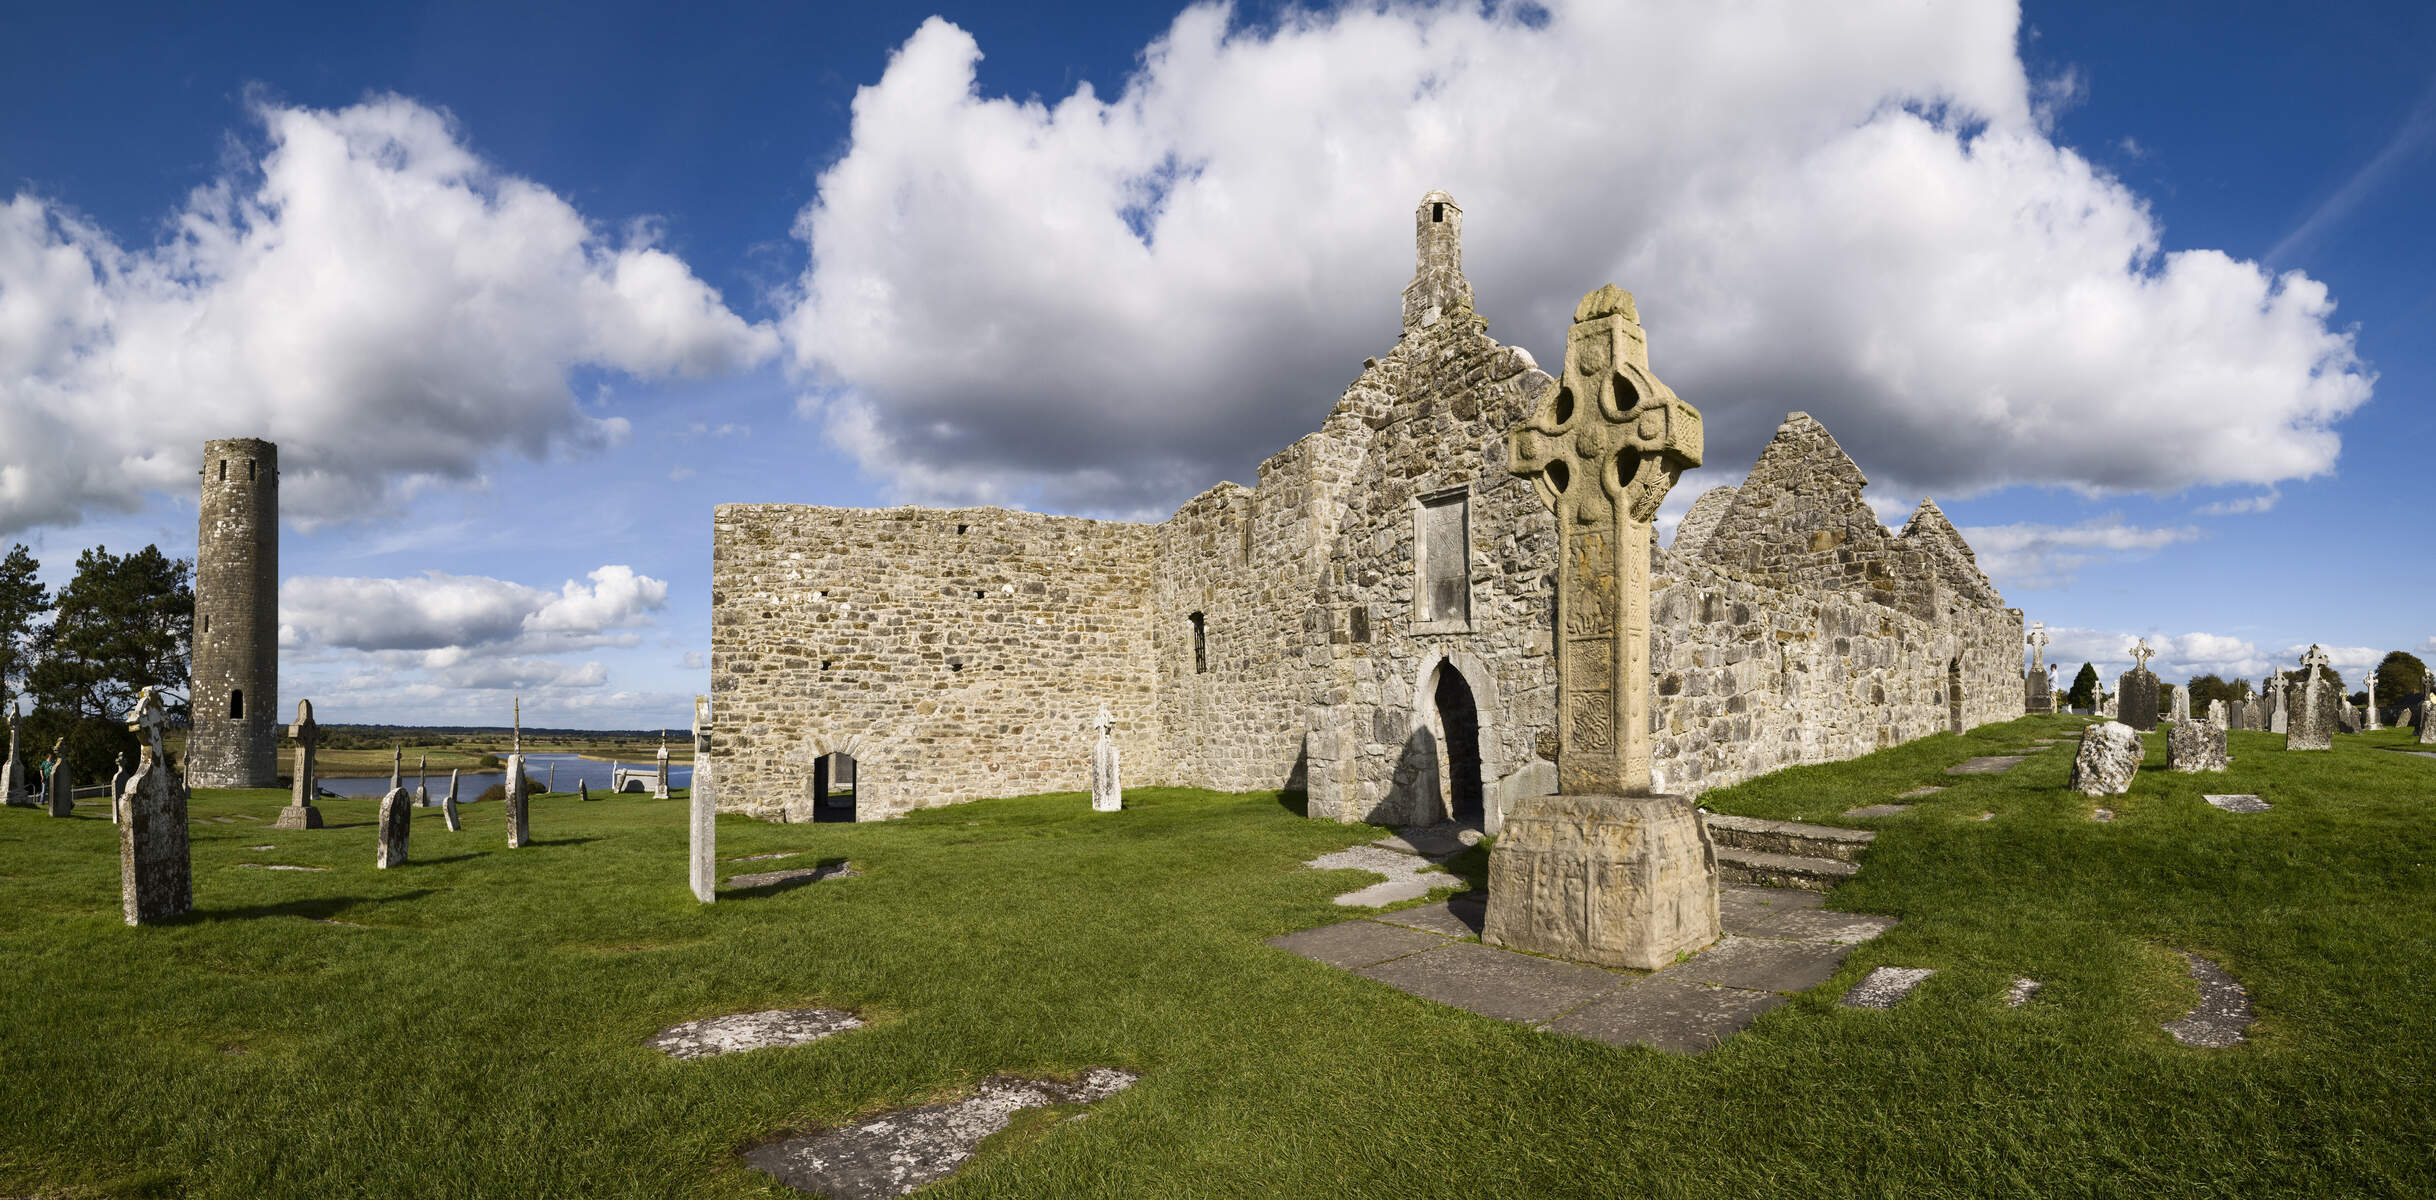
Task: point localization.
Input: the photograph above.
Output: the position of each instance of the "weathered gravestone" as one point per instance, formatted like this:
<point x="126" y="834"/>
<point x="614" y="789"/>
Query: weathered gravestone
<point x="156" y="879"/>
<point x="659" y="781"/>
<point x="1107" y="788"/>
<point x="2109" y="758"/>
<point x="583" y="789"/>
<point x="12" y="773"/>
<point x="2312" y="724"/>
<point x="2196" y="746"/>
<point x="518" y="805"/>
<point x="2279" y="720"/>
<point x="60" y="785"/>
<point x="2136" y="691"/>
<point x="118" y="784"/>
<point x="549" y="782"/>
<point x="2349" y="718"/>
<point x="702" y="847"/>
<point x="2038" y="690"/>
<point x="1604" y="871"/>
<point x="300" y="813"/>
<point x="2368" y="715"/>
<point x="2182" y="704"/>
<point x="397" y="823"/>
<point x="448" y="806"/>
<point x="2219" y="715"/>
<point x="422" y="780"/>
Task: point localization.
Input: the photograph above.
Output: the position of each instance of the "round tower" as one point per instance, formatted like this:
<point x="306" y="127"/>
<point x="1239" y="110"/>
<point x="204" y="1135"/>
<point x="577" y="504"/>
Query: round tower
<point x="235" y="743"/>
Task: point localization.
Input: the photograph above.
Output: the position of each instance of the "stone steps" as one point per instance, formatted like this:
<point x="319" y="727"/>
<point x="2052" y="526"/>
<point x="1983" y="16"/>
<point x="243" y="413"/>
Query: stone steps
<point x="1761" y="868"/>
<point x="1787" y="837"/>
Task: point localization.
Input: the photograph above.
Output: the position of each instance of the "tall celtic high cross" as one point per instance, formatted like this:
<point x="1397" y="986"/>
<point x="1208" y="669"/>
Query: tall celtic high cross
<point x="1607" y="443"/>
<point x="2141" y="654"/>
<point x="2038" y="646"/>
<point x="2316" y="658"/>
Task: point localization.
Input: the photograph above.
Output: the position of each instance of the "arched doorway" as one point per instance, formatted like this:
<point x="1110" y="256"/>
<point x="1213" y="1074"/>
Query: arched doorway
<point x="833" y="779"/>
<point x="1953" y="693"/>
<point x="1459" y="738"/>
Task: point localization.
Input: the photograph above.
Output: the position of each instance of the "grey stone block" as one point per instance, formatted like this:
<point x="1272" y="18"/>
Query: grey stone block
<point x="1358" y="943"/>
<point x="2109" y="758"/>
<point x="1667" y="1014"/>
<point x="1764" y="964"/>
<point x="1496" y="983"/>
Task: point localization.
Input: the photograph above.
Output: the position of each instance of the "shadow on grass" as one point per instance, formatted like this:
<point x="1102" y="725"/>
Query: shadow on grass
<point x="786" y="879"/>
<point x="318" y="908"/>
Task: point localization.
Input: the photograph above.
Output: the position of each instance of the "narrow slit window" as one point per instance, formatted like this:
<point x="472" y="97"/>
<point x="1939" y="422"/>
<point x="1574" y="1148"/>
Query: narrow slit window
<point x="224" y="470"/>
<point x="249" y="468"/>
<point x="1437" y="212"/>
<point x="1201" y="644"/>
<point x="236" y="704"/>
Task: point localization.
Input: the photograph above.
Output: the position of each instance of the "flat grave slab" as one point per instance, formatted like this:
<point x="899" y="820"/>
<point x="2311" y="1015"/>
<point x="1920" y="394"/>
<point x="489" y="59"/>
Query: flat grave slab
<point x="1885" y="987"/>
<point x="751" y="1031"/>
<point x="2224" y="1008"/>
<point x="1496" y="983"/>
<point x="280" y="867"/>
<point x="2238" y="804"/>
<point x="1761" y="964"/>
<point x="897" y="1152"/>
<point x="1916" y="793"/>
<point x="1667" y="1014"/>
<point x="1458" y="917"/>
<point x="1986" y="764"/>
<point x="1814" y="925"/>
<point x="1357" y="943"/>
<point x="797" y="875"/>
<point x="1878" y="810"/>
<point x="2021" y="991"/>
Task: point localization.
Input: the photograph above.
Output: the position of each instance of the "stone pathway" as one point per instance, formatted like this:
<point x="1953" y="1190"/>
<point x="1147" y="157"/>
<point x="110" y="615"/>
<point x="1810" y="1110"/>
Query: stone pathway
<point x="1777" y="940"/>
<point x="1986" y="764"/>
<point x="796" y="875"/>
<point x="751" y="1031"/>
<point x="2224" y="1008"/>
<point x="1408" y="876"/>
<point x="895" y="1153"/>
<point x="2238" y="804"/>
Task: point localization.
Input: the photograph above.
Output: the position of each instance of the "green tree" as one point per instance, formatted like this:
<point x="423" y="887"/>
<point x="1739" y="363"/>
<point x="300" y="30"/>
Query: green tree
<point x="123" y="623"/>
<point x="2207" y="689"/>
<point x="2399" y="677"/>
<point x="22" y="600"/>
<point x="2084" y="693"/>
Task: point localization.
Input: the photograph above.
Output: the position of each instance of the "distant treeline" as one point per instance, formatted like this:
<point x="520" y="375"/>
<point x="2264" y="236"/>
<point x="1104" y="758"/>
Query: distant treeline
<point x="363" y="737"/>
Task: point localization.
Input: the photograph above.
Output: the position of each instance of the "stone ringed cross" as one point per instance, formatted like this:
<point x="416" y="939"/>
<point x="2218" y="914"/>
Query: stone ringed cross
<point x="2038" y="645"/>
<point x="2141" y="654"/>
<point x="2316" y="657"/>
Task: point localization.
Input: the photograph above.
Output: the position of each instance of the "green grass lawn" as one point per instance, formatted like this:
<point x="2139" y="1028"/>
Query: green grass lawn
<point x="474" y="1027"/>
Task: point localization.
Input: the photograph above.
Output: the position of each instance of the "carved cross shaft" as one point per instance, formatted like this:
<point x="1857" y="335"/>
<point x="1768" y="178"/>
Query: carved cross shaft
<point x="307" y="733"/>
<point x="1607" y="443"/>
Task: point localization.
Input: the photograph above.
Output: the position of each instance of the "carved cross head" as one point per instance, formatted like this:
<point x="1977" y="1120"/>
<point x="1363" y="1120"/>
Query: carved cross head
<point x="1607" y="423"/>
<point x="306" y="729"/>
<point x="702" y="720"/>
<point x="2141" y="654"/>
<point x="1105" y="722"/>
<point x="147" y="719"/>
<point x="2316" y="657"/>
<point x="2038" y="633"/>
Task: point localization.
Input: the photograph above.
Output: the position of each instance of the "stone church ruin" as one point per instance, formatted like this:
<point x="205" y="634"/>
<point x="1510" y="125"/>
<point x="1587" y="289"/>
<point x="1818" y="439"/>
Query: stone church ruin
<point x="1371" y="622"/>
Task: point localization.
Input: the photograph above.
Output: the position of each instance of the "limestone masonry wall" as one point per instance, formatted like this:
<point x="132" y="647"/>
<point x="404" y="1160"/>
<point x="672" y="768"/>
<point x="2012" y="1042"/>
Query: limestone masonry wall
<point x="1369" y="622"/>
<point x="954" y="653"/>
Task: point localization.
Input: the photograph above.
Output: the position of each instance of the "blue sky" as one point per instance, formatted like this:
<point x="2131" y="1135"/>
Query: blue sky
<point x="2142" y="298"/>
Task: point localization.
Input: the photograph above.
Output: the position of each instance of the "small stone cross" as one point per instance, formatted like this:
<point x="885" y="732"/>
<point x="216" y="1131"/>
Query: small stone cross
<point x="2141" y="654"/>
<point x="1105" y="722"/>
<point x="702" y="723"/>
<point x="1606" y="444"/>
<point x="2038" y="645"/>
<point x="146" y="720"/>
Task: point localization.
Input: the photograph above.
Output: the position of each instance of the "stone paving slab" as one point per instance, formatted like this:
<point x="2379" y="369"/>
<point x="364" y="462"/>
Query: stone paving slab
<point x="1667" y="1014"/>
<point x="1761" y="964"/>
<point x="899" y="1151"/>
<point x="1357" y="943"/>
<point x="1496" y="983"/>
<point x="1986" y="764"/>
<point x="1885" y="987"/>
<point x="280" y="867"/>
<point x="2019" y="994"/>
<point x="798" y="875"/>
<point x="1878" y="810"/>
<point x="751" y="1031"/>
<point x="1436" y="842"/>
<point x="1815" y="925"/>
<point x="1408" y="877"/>
<point x="1459" y="917"/>
<point x="1741" y="904"/>
<point x="2238" y="804"/>
<point x="1916" y="793"/>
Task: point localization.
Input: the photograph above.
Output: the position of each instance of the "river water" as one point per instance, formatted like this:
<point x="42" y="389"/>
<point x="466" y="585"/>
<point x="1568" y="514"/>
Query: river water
<point x="570" y="769"/>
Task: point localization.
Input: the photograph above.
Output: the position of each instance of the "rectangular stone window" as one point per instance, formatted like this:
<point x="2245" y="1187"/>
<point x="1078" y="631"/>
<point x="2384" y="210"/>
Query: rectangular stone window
<point x="1442" y="566"/>
<point x="1201" y="645"/>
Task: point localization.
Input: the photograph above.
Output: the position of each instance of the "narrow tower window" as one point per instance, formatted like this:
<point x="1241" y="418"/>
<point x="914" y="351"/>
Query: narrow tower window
<point x="236" y="703"/>
<point x="224" y="470"/>
<point x="207" y="622"/>
<point x="1437" y="212"/>
<point x="1201" y="645"/>
<point x="249" y="468"/>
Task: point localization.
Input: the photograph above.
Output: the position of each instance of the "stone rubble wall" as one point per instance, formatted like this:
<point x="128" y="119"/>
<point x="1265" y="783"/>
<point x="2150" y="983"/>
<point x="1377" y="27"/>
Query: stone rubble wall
<point x="954" y="653"/>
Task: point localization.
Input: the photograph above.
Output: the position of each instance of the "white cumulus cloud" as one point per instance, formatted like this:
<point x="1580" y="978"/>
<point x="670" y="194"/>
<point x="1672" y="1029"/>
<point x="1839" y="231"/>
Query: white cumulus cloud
<point x="365" y="291"/>
<point x="1107" y="301"/>
<point x="444" y="617"/>
<point x="2028" y="555"/>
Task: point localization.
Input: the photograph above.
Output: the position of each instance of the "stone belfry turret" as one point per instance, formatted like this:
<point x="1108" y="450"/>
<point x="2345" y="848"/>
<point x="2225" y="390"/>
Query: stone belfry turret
<point x="236" y="660"/>
<point x="1438" y="285"/>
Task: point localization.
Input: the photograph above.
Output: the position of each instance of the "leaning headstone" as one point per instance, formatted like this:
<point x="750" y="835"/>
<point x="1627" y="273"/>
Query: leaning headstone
<point x="300" y="813"/>
<point x="1606" y="871"/>
<point x="2136" y="692"/>
<point x="12" y="773"/>
<point x="583" y="789"/>
<point x="156" y="878"/>
<point x="549" y="783"/>
<point x="2350" y="718"/>
<point x="118" y="785"/>
<point x="397" y="823"/>
<point x="659" y="781"/>
<point x="2109" y="757"/>
<point x="518" y="805"/>
<point x="1107" y="789"/>
<point x="2312" y="722"/>
<point x="448" y="806"/>
<point x="61" y="785"/>
<point x="702" y="843"/>
<point x="2196" y="746"/>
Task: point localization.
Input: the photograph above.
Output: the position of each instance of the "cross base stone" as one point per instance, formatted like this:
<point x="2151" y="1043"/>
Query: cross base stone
<point x="298" y="816"/>
<point x="1620" y="881"/>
